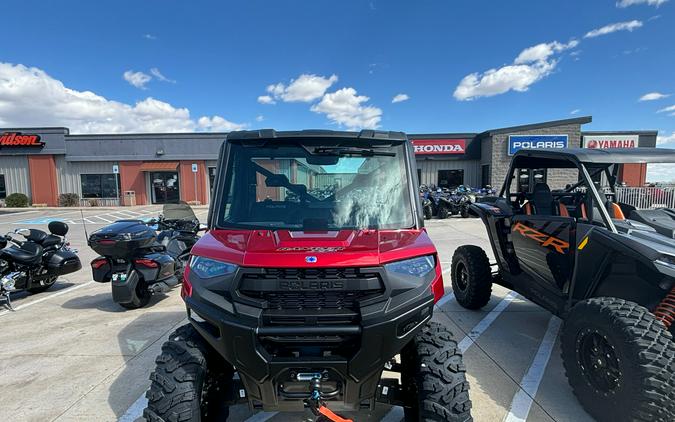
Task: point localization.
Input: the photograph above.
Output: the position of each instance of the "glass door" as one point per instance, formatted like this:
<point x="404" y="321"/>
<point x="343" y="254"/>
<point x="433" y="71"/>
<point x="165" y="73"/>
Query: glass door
<point x="165" y="187"/>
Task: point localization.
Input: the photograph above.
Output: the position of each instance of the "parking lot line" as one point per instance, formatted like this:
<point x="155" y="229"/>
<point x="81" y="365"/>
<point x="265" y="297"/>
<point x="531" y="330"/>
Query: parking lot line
<point x="522" y="401"/>
<point x="485" y="323"/>
<point x="42" y="299"/>
<point x="135" y="411"/>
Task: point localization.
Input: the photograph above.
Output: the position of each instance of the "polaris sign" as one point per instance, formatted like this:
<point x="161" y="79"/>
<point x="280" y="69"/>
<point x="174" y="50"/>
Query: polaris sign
<point x="517" y="142"/>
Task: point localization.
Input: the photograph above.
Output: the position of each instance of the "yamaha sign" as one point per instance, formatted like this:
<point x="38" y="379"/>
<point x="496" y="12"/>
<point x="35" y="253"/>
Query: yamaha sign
<point x="517" y="142"/>
<point x="611" y="141"/>
<point x="439" y="146"/>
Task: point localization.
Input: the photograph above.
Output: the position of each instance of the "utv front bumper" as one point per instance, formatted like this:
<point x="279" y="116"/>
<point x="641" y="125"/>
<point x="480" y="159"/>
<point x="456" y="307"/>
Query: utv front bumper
<point x="279" y="335"/>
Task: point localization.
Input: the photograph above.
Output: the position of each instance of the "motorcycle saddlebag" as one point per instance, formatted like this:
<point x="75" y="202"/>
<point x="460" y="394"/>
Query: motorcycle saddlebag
<point x="63" y="262"/>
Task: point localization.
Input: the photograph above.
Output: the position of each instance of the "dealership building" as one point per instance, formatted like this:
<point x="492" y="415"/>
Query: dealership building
<point x="155" y="168"/>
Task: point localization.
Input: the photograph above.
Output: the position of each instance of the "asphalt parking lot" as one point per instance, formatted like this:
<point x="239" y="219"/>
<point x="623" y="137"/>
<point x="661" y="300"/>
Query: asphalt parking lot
<point x="71" y="354"/>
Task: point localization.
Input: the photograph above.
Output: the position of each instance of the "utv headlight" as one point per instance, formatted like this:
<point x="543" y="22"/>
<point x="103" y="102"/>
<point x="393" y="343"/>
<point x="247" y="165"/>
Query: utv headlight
<point x="416" y="267"/>
<point x="209" y="268"/>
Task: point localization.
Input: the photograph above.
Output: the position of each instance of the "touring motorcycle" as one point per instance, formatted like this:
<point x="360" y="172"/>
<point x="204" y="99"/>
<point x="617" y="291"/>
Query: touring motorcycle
<point x="36" y="260"/>
<point x="142" y="258"/>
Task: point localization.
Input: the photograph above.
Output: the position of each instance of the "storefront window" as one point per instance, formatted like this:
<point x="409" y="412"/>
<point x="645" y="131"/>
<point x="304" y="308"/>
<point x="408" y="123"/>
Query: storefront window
<point x="212" y="176"/>
<point x="3" y="190"/>
<point x="100" y="185"/>
<point x="527" y="178"/>
<point x="450" y="178"/>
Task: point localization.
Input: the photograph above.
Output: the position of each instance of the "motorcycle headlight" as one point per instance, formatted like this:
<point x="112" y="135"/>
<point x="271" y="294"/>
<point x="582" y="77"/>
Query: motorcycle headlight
<point x="209" y="268"/>
<point x="667" y="260"/>
<point x="416" y="267"/>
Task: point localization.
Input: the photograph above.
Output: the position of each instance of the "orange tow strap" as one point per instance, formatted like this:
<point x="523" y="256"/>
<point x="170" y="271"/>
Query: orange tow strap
<point x="331" y="415"/>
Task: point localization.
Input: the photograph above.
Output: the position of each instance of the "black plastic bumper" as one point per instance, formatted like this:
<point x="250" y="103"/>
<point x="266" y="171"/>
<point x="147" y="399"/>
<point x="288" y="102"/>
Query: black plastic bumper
<point x="237" y="331"/>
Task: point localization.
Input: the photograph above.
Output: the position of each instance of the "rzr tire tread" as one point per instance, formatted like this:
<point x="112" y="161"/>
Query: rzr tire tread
<point x="434" y="360"/>
<point x="650" y="364"/>
<point x="479" y="289"/>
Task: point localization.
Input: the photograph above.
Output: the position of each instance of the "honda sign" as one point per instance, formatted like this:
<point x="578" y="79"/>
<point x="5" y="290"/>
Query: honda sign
<point x="439" y="146"/>
<point x="517" y="142"/>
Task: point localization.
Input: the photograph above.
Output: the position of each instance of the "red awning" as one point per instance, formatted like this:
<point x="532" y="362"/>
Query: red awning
<point x="159" y="166"/>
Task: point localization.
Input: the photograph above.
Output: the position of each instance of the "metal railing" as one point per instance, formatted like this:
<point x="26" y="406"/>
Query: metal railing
<point x="647" y="197"/>
<point x="99" y="202"/>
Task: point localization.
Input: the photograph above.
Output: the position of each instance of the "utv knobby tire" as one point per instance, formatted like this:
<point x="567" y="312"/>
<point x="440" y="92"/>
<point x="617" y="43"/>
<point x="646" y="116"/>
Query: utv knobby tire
<point x="187" y="371"/>
<point x="39" y="289"/>
<point x="434" y="377"/>
<point x="464" y="212"/>
<point x="443" y="212"/>
<point x="471" y="277"/>
<point x="645" y="361"/>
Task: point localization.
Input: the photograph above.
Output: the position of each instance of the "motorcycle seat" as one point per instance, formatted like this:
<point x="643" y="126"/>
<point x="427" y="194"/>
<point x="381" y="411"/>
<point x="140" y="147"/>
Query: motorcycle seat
<point x="28" y="254"/>
<point x="50" y="240"/>
<point x="37" y="236"/>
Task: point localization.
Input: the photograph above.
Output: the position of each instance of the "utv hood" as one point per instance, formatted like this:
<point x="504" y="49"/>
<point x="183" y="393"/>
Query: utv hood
<point x="293" y="249"/>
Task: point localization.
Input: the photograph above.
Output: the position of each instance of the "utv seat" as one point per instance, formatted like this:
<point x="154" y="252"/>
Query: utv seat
<point x="592" y="213"/>
<point x="543" y="203"/>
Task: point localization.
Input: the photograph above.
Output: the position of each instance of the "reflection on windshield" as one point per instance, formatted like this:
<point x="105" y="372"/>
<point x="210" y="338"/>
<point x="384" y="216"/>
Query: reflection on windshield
<point x="283" y="188"/>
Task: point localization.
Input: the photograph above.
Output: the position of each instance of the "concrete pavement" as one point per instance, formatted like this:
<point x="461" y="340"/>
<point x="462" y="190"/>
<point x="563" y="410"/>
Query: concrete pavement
<point x="71" y="354"/>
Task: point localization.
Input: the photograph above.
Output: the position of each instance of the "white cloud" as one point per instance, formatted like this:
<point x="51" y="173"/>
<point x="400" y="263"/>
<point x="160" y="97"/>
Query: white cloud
<point x="398" y="98"/>
<point x="662" y="172"/>
<point x="669" y="109"/>
<point x="149" y="37"/>
<point x="137" y="79"/>
<point x="345" y="108"/>
<point x="157" y="74"/>
<point x="666" y="139"/>
<point x="627" y="3"/>
<point x="651" y="96"/>
<point x="305" y="88"/>
<point x="266" y="99"/>
<point x="30" y="97"/>
<point x="259" y="118"/>
<point x="619" y="26"/>
<point x="575" y="111"/>
<point x="218" y="124"/>
<point x="531" y="65"/>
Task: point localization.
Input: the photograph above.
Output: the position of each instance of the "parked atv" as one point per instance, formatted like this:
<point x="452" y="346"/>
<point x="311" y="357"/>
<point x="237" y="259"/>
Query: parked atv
<point x="138" y="261"/>
<point x="310" y="300"/>
<point x="582" y="256"/>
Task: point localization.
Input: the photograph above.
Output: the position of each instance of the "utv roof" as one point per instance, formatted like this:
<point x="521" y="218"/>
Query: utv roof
<point x="268" y="134"/>
<point x="533" y="158"/>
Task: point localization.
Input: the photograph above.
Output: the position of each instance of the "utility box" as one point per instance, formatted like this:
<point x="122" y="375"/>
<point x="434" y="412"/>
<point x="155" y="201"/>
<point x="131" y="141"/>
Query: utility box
<point x="129" y="198"/>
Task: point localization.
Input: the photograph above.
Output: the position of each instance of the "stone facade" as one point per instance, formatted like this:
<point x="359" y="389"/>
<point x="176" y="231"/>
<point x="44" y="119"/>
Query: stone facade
<point x="556" y="178"/>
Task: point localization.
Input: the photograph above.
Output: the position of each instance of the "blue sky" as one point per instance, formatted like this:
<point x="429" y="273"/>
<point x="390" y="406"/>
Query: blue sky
<point x="462" y="65"/>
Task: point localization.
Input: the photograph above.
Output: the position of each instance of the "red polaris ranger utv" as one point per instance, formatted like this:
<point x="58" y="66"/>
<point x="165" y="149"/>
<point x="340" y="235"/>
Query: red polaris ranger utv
<point x="316" y="272"/>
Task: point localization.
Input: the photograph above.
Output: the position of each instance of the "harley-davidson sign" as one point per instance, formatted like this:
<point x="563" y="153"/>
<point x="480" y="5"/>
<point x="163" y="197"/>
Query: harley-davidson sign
<point x="611" y="141"/>
<point x="18" y="140"/>
<point x="439" y="146"/>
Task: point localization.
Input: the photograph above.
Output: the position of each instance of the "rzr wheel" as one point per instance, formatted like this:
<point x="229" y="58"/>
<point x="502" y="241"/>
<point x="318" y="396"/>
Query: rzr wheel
<point x="620" y="361"/>
<point x="39" y="289"/>
<point x="443" y="212"/>
<point x="191" y="381"/>
<point x="433" y="375"/>
<point x="140" y="298"/>
<point x="471" y="277"/>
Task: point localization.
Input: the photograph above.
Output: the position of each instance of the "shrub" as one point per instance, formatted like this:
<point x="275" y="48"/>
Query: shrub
<point x="94" y="203"/>
<point x="69" y="200"/>
<point x="16" y="200"/>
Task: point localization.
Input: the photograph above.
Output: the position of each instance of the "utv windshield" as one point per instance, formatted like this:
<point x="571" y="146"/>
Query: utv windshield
<point x="180" y="211"/>
<point x="311" y="186"/>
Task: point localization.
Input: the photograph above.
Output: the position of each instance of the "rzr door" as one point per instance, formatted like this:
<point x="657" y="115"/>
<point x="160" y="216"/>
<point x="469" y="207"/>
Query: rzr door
<point x="543" y="246"/>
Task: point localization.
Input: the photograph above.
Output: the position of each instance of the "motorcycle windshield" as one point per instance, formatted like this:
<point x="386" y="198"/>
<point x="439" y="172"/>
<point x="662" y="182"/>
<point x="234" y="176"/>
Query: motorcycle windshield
<point x="179" y="211"/>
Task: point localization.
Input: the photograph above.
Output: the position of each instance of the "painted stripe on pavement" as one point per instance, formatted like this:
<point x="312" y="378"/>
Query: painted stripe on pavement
<point x="483" y="325"/>
<point x="135" y="411"/>
<point x="59" y="293"/>
<point x="522" y="401"/>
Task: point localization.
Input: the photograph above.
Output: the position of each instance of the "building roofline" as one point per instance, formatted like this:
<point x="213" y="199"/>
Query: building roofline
<point x="576" y="120"/>
<point x="619" y="132"/>
<point x="442" y="135"/>
<point x="60" y="128"/>
<point x="148" y="134"/>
